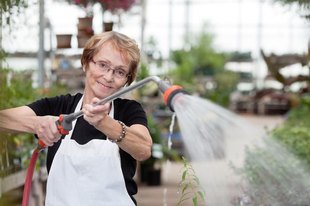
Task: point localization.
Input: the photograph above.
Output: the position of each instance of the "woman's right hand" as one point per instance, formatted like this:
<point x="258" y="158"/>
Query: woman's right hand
<point x="47" y="131"/>
<point x="24" y="120"/>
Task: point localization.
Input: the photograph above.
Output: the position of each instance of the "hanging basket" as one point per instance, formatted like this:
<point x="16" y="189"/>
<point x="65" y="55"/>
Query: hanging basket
<point x="63" y="41"/>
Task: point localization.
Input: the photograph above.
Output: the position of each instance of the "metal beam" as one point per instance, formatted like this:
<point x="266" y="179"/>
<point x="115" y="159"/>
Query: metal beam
<point x="41" y="55"/>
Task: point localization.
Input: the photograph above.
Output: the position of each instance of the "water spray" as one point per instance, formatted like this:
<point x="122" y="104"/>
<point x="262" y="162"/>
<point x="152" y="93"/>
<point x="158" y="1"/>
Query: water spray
<point x="64" y="123"/>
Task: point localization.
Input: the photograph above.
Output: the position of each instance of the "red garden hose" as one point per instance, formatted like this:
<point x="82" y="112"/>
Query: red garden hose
<point x="32" y="165"/>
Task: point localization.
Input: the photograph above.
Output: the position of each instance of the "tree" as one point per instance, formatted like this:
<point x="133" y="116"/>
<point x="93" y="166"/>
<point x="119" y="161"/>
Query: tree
<point x="9" y="8"/>
<point x="303" y="4"/>
<point x="276" y="63"/>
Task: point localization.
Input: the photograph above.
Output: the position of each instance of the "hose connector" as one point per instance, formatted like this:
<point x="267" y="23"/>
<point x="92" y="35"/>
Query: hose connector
<point x="171" y="92"/>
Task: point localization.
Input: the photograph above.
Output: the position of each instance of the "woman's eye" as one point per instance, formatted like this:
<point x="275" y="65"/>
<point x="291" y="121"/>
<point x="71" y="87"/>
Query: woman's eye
<point x="120" y="72"/>
<point x="102" y="65"/>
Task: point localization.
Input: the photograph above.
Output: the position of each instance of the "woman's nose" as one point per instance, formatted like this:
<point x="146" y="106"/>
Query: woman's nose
<point x="109" y="75"/>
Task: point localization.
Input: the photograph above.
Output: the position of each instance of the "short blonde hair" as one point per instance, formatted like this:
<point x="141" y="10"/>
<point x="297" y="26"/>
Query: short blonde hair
<point x="127" y="47"/>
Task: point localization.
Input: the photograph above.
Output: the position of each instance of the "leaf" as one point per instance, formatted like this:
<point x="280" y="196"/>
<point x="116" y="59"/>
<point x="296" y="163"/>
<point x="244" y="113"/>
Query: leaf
<point x="190" y="168"/>
<point x="184" y="161"/>
<point x="185" y="187"/>
<point x="182" y="200"/>
<point x="201" y="196"/>
<point x="201" y="188"/>
<point x="194" y="200"/>
<point x="185" y="195"/>
<point x="196" y="180"/>
<point x="184" y="175"/>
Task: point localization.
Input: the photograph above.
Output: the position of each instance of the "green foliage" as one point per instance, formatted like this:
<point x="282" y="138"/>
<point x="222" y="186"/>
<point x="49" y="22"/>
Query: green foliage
<point x="226" y="82"/>
<point x="303" y="4"/>
<point x="183" y="75"/>
<point x="274" y="177"/>
<point x="200" y="60"/>
<point x="143" y="72"/>
<point x="17" y="90"/>
<point x="153" y="53"/>
<point x="278" y="172"/>
<point x="9" y="8"/>
<point x="295" y="131"/>
<point x="156" y="134"/>
<point x="192" y="189"/>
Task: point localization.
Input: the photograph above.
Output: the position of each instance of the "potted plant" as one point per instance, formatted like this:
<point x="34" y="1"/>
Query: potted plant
<point x="85" y="24"/>
<point x="115" y="7"/>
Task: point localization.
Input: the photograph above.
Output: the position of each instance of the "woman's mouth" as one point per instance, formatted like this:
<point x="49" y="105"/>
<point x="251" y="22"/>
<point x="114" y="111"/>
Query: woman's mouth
<point x="104" y="87"/>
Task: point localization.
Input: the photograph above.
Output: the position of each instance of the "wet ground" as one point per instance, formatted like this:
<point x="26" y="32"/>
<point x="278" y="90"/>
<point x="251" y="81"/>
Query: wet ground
<point x="222" y="186"/>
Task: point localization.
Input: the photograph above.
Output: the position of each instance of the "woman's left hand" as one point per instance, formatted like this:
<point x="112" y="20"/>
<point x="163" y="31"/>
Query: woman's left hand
<point x="95" y="114"/>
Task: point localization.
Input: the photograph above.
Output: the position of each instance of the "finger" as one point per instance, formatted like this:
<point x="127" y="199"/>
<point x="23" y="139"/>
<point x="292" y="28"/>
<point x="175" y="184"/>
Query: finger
<point x="46" y="140"/>
<point x="50" y="136"/>
<point x="89" y="109"/>
<point x="55" y="135"/>
<point x="89" y="114"/>
<point x="95" y="100"/>
<point x="42" y="134"/>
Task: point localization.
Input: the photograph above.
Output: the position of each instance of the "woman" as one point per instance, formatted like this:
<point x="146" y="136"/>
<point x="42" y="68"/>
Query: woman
<point x="85" y="168"/>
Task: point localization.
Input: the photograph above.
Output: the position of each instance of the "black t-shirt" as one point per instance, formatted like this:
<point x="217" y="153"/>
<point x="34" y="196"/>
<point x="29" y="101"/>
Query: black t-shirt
<point x="128" y="111"/>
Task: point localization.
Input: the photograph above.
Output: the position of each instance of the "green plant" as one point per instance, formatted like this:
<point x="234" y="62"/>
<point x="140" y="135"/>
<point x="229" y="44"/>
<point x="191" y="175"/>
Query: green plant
<point x="273" y="176"/>
<point x="303" y="4"/>
<point x="9" y="8"/>
<point x="16" y="90"/>
<point x="294" y="133"/>
<point x="200" y="60"/>
<point x="226" y="82"/>
<point x="277" y="173"/>
<point x="192" y="188"/>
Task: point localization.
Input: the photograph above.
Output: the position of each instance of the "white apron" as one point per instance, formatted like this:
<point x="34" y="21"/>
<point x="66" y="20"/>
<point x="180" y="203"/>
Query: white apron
<point x="87" y="175"/>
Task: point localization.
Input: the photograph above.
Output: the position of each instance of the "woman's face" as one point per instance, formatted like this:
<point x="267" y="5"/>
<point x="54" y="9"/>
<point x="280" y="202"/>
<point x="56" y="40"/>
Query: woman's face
<point x="99" y="83"/>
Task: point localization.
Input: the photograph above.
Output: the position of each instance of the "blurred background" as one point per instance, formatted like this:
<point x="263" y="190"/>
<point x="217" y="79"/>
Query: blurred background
<point x="250" y="57"/>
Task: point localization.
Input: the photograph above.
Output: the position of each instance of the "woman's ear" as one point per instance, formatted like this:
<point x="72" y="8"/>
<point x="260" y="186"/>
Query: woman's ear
<point x="84" y="68"/>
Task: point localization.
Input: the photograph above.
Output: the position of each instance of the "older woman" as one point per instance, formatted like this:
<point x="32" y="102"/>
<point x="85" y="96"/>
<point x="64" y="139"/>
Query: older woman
<point x="95" y="163"/>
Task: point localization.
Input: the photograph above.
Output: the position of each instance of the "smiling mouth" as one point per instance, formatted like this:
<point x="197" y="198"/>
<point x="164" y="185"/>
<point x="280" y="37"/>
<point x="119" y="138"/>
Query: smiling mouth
<point x="102" y="85"/>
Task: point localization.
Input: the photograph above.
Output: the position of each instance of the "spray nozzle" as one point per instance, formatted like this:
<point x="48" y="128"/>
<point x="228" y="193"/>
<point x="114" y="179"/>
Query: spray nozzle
<point x="170" y="91"/>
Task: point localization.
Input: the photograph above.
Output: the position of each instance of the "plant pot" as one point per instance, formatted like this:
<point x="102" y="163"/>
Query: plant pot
<point x="108" y="26"/>
<point x="153" y="177"/>
<point x="143" y="172"/>
<point x="85" y="33"/>
<point x="63" y="41"/>
<point x="85" y="23"/>
<point x="82" y="41"/>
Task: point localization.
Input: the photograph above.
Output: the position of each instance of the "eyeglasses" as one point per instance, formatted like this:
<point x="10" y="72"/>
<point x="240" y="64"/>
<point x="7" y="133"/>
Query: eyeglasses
<point x="118" y="73"/>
